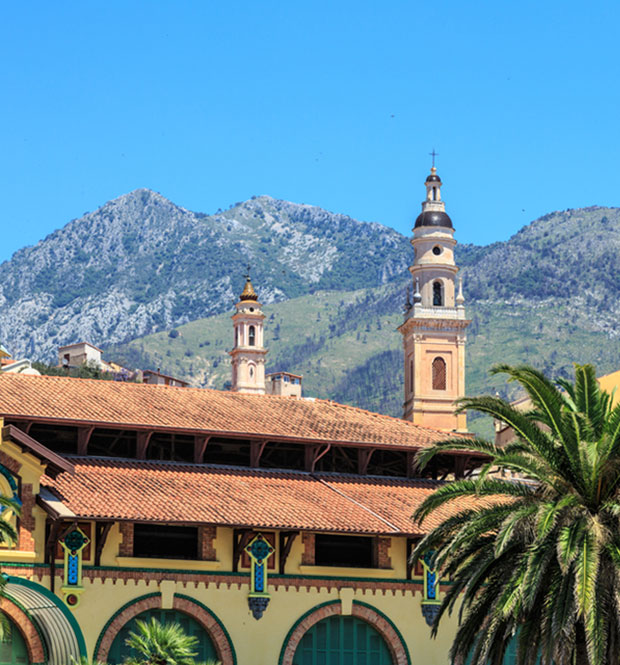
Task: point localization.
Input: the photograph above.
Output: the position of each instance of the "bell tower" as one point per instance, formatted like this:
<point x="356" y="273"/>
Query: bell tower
<point x="248" y="354"/>
<point x="434" y="327"/>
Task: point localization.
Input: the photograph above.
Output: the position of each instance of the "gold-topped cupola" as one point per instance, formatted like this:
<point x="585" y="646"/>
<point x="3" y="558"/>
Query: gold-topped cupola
<point x="248" y="354"/>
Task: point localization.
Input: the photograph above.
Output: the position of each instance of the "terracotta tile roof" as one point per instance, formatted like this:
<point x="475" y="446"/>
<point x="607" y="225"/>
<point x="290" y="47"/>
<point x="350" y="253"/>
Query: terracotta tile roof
<point x="168" y="492"/>
<point x="112" y="403"/>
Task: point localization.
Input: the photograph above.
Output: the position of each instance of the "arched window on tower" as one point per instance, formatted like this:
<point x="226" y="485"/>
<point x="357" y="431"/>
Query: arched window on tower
<point x="411" y="376"/>
<point x="439" y="374"/>
<point x="236" y="336"/>
<point x="437" y="294"/>
<point x="434" y="193"/>
<point x="252" y="336"/>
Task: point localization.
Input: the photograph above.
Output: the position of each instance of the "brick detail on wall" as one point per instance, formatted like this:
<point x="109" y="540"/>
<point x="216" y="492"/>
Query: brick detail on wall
<point x="121" y="619"/>
<point x="227" y="581"/>
<point x="304" y="626"/>
<point x="210" y="624"/>
<point x="11" y="464"/>
<point x="34" y="645"/>
<point x="206" y="543"/>
<point x="391" y="637"/>
<point x="307" y="557"/>
<point x="204" y="618"/>
<point x="126" y="546"/>
<point x="26" y="520"/>
<point x="383" y="553"/>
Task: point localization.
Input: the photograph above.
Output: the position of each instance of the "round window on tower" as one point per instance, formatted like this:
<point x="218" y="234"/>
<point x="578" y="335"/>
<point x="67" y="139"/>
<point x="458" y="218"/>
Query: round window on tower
<point x="437" y="250"/>
<point x="251" y="309"/>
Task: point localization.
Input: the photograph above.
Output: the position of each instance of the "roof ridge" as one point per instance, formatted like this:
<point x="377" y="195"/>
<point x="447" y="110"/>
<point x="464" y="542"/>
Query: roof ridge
<point x="387" y="415"/>
<point x="358" y="504"/>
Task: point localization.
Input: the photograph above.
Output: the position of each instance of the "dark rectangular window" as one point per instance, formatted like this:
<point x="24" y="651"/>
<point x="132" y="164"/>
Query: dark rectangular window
<point x="354" y="551"/>
<point x="165" y="542"/>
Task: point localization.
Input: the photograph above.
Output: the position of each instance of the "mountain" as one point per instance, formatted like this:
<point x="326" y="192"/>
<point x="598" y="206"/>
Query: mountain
<point x="141" y="263"/>
<point x="127" y="275"/>
<point x="547" y="296"/>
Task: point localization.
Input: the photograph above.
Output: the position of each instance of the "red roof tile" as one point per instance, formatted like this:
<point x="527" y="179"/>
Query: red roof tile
<point x="168" y="492"/>
<point x="111" y="403"/>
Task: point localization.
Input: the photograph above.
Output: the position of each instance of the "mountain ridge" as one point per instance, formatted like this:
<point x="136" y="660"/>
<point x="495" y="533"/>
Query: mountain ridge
<point x="141" y="263"/>
<point x="125" y="275"/>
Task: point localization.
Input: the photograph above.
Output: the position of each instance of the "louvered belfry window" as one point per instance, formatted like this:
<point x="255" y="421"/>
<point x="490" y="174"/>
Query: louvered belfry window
<point x="437" y="294"/>
<point x="439" y="374"/>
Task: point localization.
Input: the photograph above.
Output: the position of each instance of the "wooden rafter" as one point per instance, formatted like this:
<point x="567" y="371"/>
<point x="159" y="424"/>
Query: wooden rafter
<point x="363" y="458"/>
<point x="83" y="437"/>
<point x="286" y="541"/>
<point x="102" y="529"/>
<point x="200" y="445"/>
<point x="142" y="444"/>
<point x="256" y="451"/>
<point x="241" y="537"/>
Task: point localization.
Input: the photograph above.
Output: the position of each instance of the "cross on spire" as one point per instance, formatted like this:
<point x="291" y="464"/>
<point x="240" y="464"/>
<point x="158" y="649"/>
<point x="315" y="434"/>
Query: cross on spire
<point x="247" y="272"/>
<point x="433" y="155"/>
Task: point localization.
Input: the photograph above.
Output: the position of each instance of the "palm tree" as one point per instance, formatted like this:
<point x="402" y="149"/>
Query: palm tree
<point x="8" y="536"/>
<point x="162" y="644"/>
<point x="535" y="556"/>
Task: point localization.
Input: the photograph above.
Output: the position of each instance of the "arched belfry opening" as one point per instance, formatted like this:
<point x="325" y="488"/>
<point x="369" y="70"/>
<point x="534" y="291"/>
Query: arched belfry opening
<point x="438" y="294"/>
<point x="439" y="374"/>
<point x="252" y="336"/>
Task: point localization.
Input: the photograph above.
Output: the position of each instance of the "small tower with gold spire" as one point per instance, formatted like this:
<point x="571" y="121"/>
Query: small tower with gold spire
<point x="434" y="327"/>
<point x="248" y="354"/>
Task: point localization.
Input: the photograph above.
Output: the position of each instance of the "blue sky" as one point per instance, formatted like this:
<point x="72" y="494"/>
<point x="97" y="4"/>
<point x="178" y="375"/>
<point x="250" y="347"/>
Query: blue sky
<point x="331" y="103"/>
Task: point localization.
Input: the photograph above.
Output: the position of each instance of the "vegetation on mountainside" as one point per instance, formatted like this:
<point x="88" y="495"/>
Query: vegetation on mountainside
<point x="537" y="560"/>
<point x="348" y="348"/>
<point x="140" y="264"/>
<point x="143" y="269"/>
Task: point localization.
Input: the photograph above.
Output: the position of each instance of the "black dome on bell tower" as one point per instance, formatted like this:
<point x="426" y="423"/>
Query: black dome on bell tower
<point x="433" y="218"/>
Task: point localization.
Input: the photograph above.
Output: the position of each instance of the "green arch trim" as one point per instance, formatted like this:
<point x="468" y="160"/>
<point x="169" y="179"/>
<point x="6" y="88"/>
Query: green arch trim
<point x="39" y="588"/>
<point x="312" y="610"/>
<point x="337" y="602"/>
<point x="217" y="620"/>
<point x="12" y="484"/>
<point x="394" y="628"/>
<point x="32" y="621"/>
<point x="111" y="619"/>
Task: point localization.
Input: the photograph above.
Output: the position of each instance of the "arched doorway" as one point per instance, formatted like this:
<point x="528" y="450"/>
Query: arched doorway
<point x="205" y="648"/>
<point x="13" y="650"/>
<point x="341" y="640"/>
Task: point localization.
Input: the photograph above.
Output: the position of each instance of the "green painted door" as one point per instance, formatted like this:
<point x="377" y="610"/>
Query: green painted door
<point x="342" y="640"/>
<point x="205" y="648"/>
<point x="13" y="648"/>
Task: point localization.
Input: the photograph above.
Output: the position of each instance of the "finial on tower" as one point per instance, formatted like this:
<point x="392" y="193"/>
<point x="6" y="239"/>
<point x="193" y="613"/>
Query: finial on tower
<point x="417" y="296"/>
<point x="460" y="298"/>
<point x="433" y="155"/>
<point x="248" y="292"/>
<point x="408" y="304"/>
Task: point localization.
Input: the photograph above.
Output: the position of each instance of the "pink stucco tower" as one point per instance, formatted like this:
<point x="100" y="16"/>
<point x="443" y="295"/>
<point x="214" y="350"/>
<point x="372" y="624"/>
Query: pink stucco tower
<point x="434" y="327"/>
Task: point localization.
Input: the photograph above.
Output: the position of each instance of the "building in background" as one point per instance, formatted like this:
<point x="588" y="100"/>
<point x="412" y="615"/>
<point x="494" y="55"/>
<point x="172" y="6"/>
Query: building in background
<point x="284" y="384"/>
<point x="156" y="378"/>
<point x="8" y="364"/>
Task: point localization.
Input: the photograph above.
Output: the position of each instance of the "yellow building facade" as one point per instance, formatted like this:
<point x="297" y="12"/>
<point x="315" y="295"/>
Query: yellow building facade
<point x="276" y="529"/>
